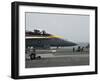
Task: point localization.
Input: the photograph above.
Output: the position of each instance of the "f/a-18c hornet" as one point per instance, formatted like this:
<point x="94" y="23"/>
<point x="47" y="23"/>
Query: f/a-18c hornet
<point x="42" y="40"/>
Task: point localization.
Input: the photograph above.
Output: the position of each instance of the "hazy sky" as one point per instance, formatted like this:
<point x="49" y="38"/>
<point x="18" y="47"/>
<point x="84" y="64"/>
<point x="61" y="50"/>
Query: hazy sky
<point x="72" y="27"/>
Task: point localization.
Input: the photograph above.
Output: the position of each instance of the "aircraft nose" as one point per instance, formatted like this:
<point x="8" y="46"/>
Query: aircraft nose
<point x="72" y="44"/>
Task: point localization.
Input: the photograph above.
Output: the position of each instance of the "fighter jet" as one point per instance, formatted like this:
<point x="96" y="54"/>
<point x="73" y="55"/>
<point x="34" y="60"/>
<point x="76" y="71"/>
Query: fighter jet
<point x="41" y="39"/>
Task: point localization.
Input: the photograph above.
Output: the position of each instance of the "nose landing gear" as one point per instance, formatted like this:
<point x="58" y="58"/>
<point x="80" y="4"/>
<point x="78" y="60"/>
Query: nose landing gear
<point x="33" y="56"/>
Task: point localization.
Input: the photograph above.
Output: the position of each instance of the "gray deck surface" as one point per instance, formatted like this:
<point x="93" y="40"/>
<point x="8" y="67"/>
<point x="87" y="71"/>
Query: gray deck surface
<point x="59" y="60"/>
